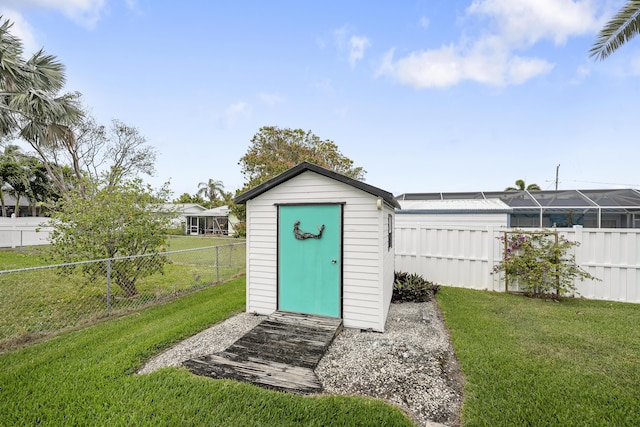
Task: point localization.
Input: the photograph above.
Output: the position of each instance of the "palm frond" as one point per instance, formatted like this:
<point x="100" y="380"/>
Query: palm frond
<point x="46" y="71"/>
<point x="621" y="28"/>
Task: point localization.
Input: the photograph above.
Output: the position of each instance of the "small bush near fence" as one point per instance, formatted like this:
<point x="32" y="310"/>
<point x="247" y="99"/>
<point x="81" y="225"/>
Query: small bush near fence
<point x="412" y="288"/>
<point x="540" y="262"/>
<point x="38" y="301"/>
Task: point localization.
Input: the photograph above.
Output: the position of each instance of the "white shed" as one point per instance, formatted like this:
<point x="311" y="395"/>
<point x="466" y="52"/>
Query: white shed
<point x="321" y="243"/>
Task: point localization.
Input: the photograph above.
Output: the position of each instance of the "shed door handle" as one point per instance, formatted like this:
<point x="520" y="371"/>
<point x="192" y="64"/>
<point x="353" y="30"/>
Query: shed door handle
<point x="333" y="261"/>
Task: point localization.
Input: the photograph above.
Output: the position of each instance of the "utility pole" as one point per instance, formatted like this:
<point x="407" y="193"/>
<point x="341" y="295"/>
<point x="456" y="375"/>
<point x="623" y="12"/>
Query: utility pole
<point x="557" y="168"/>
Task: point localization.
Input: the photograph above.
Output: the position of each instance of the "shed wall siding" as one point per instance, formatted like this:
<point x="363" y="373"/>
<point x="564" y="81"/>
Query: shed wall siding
<point x="388" y="256"/>
<point x="361" y="242"/>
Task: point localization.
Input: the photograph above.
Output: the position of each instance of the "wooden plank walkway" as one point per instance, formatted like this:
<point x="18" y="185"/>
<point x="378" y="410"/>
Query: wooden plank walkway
<point x="280" y="353"/>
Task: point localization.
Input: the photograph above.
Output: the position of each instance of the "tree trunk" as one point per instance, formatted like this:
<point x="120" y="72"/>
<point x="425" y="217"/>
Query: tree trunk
<point x="126" y="283"/>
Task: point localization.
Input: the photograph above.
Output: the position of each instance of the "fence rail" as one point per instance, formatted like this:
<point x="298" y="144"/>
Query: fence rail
<point x="18" y="232"/>
<point x="465" y="256"/>
<point x="38" y="301"/>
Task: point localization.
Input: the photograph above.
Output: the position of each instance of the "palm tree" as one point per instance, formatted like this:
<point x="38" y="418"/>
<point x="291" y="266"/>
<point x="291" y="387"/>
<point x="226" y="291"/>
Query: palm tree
<point x="210" y="190"/>
<point x="30" y="103"/>
<point x="621" y="28"/>
<point x="520" y="186"/>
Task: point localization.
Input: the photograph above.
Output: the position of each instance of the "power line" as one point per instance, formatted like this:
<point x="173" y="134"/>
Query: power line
<point x="605" y="183"/>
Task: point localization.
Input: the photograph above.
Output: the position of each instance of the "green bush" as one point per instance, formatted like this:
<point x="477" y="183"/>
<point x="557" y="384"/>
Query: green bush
<point x="412" y="288"/>
<point x="241" y="230"/>
<point x="540" y="262"/>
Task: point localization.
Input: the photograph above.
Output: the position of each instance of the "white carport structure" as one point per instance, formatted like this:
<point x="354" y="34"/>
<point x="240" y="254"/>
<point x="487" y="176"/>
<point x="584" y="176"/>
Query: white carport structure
<point x="453" y="212"/>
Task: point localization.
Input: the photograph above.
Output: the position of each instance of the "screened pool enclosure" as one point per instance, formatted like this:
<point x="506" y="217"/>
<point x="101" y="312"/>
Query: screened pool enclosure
<point x="566" y="208"/>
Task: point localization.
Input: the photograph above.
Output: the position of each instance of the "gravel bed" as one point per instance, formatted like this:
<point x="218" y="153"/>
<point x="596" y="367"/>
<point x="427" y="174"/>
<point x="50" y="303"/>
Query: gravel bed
<point x="411" y="364"/>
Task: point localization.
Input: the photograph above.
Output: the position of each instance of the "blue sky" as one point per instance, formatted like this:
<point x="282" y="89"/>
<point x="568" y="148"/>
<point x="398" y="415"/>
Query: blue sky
<point x="427" y="96"/>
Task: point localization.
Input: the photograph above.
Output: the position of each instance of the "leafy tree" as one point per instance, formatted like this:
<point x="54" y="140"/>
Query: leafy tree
<point x="520" y="186"/>
<point x="30" y="102"/>
<point x="116" y="153"/>
<point x="274" y="150"/>
<point x="117" y="221"/>
<point x="8" y="165"/>
<point x="188" y="198"/>
<point x="41" y="189"/>
<point x="14" y="176"/>
<point x="621" y="28"/>
<point x="227" y="198"/>
<point x="540" y="262"/>
<point x="211" y="190"/>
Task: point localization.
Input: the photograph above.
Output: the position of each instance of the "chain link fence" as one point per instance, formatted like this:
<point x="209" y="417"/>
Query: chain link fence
<point x="39" y="301"/>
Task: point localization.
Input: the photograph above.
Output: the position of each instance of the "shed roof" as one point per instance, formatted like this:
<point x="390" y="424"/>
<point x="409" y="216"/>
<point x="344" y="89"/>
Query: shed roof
<point x="454" y="206"/>
<point x="306" y="166"/>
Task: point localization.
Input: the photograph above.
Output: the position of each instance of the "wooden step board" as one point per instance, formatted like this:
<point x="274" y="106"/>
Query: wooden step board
<point x="280" y="353"/>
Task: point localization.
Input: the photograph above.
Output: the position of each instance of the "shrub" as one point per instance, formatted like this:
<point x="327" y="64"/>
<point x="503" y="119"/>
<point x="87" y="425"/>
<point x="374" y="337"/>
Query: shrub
<point x="118" y="221"/>
<point x="241" y="230"/>
<point x="412" y="288"/>
<point x="540" y="263"/>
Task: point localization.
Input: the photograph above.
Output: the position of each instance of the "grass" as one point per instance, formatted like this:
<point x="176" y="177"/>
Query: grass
<point x="36" y="303"/>
<point x="86" y="377"/>
<point x="32" y="256"/>
<point x="537" y="362"/>
<point x="176" y="243"/>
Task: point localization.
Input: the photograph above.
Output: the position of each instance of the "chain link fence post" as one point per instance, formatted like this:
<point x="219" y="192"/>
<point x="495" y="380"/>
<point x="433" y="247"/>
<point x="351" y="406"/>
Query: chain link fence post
<point x="217" y="264"/>
<point x="109" y="287"/>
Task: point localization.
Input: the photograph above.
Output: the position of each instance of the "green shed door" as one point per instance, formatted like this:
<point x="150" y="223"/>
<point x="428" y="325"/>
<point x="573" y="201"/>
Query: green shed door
<point x="310" y="262"/>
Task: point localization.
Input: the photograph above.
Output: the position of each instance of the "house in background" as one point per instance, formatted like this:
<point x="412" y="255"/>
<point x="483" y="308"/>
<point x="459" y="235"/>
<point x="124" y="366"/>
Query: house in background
<point x="611" y="208"/>
<point x="182" y="212"/>
<point x="195" y="219"/>
<point x="218" y="221"/>
<point x="25" y="207"/>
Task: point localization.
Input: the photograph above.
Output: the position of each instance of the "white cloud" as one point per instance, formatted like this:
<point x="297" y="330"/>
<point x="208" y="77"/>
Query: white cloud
<point x="424" y="22"/>
<point x="325" y="86"/>
<point x="528" y="21"/>
<point x="582" y="72"/>
<point x="490" y="57"/>
<point x="518" y="70"/>
<point x="357" y="45"/>
<point x="22" y="30"/>
<point x="342" y="112"/>
<point x="447" y="67"/>
<point x="352" y="44"/>
<point x="83" y="12"/>
<point x="234" y="111"/>
<point x="270" y="99"/>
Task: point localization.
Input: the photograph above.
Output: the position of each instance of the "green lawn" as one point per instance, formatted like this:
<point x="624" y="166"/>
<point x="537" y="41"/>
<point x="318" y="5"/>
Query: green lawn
<point x="86" y="377"/>
<point x="540" y="363"/>
<point x="31" y="256"/>
<point x="176" y="243"/>
<point x="36" y="303"/>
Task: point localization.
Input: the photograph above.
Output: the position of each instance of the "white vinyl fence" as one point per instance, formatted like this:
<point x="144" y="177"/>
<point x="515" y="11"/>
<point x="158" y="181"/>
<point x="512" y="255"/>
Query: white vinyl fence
<point x="24" y="231"/>
<point x="465" y="256"/>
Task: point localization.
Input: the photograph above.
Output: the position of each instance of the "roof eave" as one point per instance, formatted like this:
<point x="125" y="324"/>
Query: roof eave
<point x="306" y="166"/>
